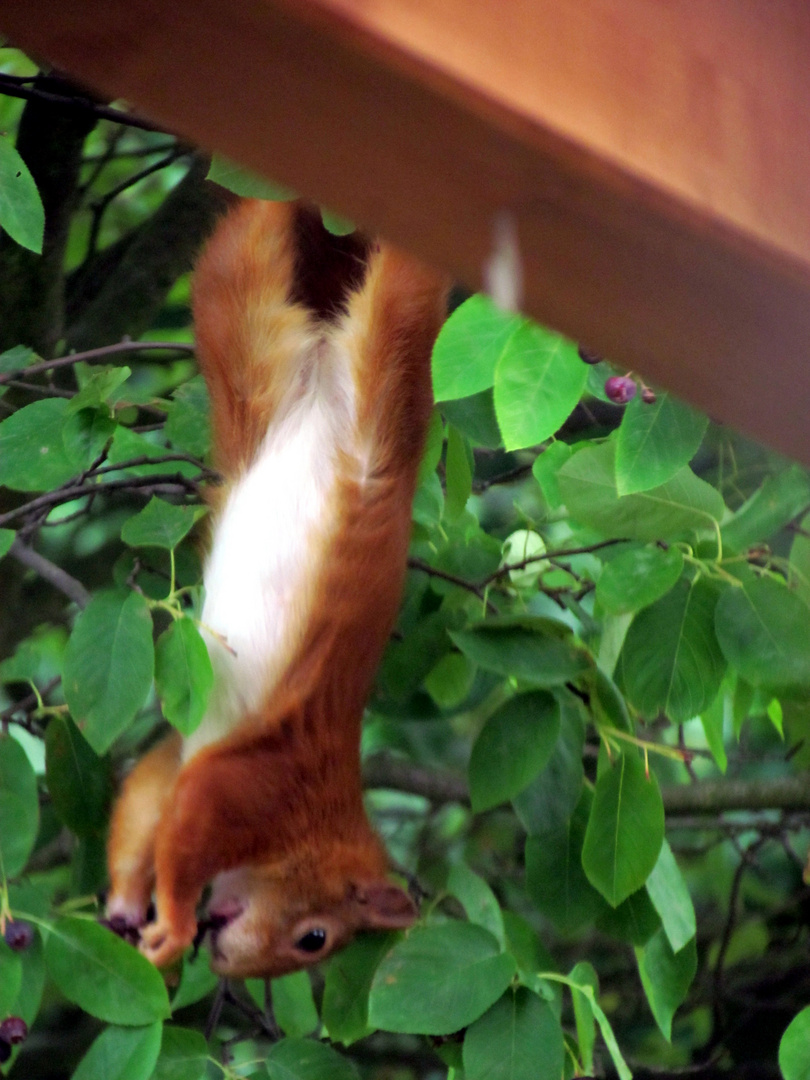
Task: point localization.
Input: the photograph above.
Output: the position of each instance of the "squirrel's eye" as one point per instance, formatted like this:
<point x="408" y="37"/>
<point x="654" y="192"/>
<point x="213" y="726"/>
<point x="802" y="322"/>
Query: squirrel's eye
<point x="312" y="942"/>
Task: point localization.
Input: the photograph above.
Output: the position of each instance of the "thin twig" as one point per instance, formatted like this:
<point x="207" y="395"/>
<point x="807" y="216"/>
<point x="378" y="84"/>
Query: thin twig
<point x="97" y="209"/>
<point x="454" y="579"/>
<point x="26" y="705"/>
<point x="42" y="391"/>
<point x="96" y="354"/>
<point x="129" y="483"/>
<point x="29" y="93"/>
<point x="505" y="478"/>
<point x="136" y="152"/>
<point x="50" y="572"/>
<point x="136" y="462"/>
<point x="746" y="858"/>
<point x="101" y="161"/>
<point x="549" y="556"/>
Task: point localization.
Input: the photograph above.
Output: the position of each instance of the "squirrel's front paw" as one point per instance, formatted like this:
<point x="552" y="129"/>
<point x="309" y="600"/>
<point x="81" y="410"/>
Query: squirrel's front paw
<point x="163" y="943"/>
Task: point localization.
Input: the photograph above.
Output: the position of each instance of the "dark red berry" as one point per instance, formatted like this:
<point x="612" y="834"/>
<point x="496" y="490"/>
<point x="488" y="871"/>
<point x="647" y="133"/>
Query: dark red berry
<point x="620" y="388"/>
<point x="19" y="935"/>
<point x="588" y="356"/>
<point x="648" y="396"/>
<point x="13" y="1030"/>
<point x="5" y="1051"/>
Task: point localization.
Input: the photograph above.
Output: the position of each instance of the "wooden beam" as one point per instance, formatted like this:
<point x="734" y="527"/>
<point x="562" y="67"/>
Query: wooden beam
<point x="651" y="154"/>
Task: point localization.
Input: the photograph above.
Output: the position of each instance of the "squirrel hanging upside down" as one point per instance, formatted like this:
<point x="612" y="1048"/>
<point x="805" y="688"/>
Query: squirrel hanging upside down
<point x="316" y="351"/>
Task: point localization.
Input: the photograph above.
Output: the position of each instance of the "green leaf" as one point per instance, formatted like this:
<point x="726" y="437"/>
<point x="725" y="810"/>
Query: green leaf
<point x="524" y="944"/>
<point x="518" y="1038"/>
<point x="666" y="977"/>
<point x="32" y="454"/>
<point x="308" y="1059"/>
<point x="439" y="979"/>
<point x="638" y="577"/>
<point x="6" y="540"/>
<point x="512" y="748"/>
<point x="85" y="434"/>
<point x="799" y="577"/>
<point x="469" y="346"/>
<point x="187" y="427"/>
<point x="108" y="665"/>
<point x="539" y="656"/>
<point x="347" y="986"/>
<point x="634" y="920"/>
<point x="129" y="445"/>
<point x="10" y="978"/>
<point x="713" y="719"/>
<point x="550" y="799"/>
<point x="519" y="547"/>
<point x="655" y="442"/>
<point x="763" y="630"/>
<point x="183" y="675"/>
<point x="475" y="416"/>
<point x="608" y="707"/>
<point x="244" y="182"/>
<point x="19" y="807"/>
<point x="477" y="899"/>
<point x="434" y="443"/>
<point x="545" y="469"/>
<point x="681" y="507"/>
<point x="555" y="879"/>
<point x="21" y="212"/>
<point x="625" y="829"/>
<point x="668" y="892"/>
<point x="538" y="381"/>
<point x="183" y="1055"/>
<point x="79" y="781"/>
<point x="103" y="975"/>
<point x="160" y="524"/>
<point x="197" y="981"/>
<point x="293" y="1004"/>
<point x="671" y="661"/>
<point x="450" y="680"/>
<point x="458" y="473"/>
<point x="335" y="224"/>
<point x="794" y="1048"/>
<point x="98" y="387"/>
<point x="780" y="499"/>
<point x="583" y="974"/>
<point x="17" y="359"/>
<point x="122" y="1053"/>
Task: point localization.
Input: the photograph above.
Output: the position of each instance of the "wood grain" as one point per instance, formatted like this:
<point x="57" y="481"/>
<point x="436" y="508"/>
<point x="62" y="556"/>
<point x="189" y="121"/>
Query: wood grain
<point x="651" y="153"/>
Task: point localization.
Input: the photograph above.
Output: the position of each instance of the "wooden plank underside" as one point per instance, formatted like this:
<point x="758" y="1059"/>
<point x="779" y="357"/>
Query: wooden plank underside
<point x="320" y="97"/>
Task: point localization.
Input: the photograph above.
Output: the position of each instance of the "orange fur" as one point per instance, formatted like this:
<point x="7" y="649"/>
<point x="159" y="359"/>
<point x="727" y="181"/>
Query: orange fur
<point x="273" y="812"/>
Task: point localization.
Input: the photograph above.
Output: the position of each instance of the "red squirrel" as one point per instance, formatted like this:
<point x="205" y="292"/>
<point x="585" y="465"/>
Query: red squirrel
<point x="316" y="352"/>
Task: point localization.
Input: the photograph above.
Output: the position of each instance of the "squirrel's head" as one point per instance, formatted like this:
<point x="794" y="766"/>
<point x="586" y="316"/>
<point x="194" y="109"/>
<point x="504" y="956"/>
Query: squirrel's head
<point x="270" y="920"/>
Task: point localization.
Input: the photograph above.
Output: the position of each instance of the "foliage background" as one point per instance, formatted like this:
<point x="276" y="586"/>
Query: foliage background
<point x="606" y="617"/>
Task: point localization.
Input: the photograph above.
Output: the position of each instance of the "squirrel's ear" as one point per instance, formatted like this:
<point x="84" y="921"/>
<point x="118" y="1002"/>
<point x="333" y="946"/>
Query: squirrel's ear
<point x="385" y="906"/>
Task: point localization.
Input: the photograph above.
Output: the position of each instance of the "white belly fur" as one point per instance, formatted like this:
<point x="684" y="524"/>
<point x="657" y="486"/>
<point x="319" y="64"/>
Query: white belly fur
<point x="261" y="556"/>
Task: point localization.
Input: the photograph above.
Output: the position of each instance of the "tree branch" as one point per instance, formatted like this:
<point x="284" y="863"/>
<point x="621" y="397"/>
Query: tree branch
<point x="68" y="494"/>
<point x="51" y="573"/>
<point x="383" y="770"/>
<point x="50" y="140"/>
<point x="89" y="355"/>
<point x="119" y="292"/>
<point x="14" y="86"/>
